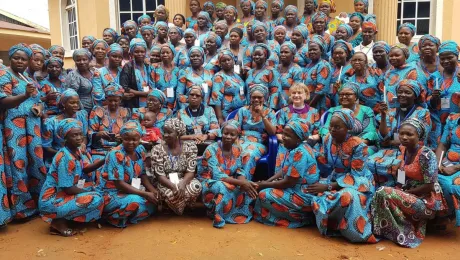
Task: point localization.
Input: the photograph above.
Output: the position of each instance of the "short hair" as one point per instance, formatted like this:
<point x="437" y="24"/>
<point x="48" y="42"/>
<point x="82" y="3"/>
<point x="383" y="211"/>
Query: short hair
<point x="298" y="86"/>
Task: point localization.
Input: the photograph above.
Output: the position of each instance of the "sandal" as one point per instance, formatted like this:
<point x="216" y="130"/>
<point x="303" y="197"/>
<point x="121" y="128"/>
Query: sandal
<point x="66" y="233"/>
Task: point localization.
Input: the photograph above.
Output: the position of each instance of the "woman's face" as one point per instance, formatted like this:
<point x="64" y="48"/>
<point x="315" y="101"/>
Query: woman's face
<point x="339" y="56"/>
<point x="211" y="45"/>
<point x="259" y="57"/>
<point x="229" y="16"/>
<point x="19" y="61"/>
<point x="397" y="57"/>
<point x="408" y="136"/>
<point x="161" y="15"/>
<point x="309" y="5"/>
<point x="58" y="53"/>
<point x="246" y="8"/>
<point x="276" y="9"/>
<point x="360" y="7"/>
<point x="341" y="34"/>
<point x="220" y="13"/>
<point x="319" y="25"/>
<point x="338" y="129"/>
<point x="189" y="39"/>
<point x="280" y="36"/>
<point x="355" y="23"/>
<point x="147" y="21"/>
<point x="227" y="63"/>
<point x="257" y="99"/>
<point x="405" y="36"/>
<point x="221" y="30"/>
<point x="368" y="35"/>
<point x="155" y="56"/>
<point x="210" y="10"/>
<point x="290" y="139"/>
<point x="448" y="60"/>
<point x="347" y="98"/>
<point x="130" y="141"/>
<point x="291" y="18"/>
<point x="325" y="8"/>
<point x="201" y="21"/>
<point x="86" y="43"/>
<point x="359" y="61"/>
<point x="153" y="104"/>
<point x="194" y="6"/>
<point x="74" y="138"/>
<point x="286" y="56"/>
<point x="37" y="61"/>
<point x="169" y="135"/>
<point x="139" y="54"/>
<point x="178" y="21"/>
<point x="162" y="32"/>
<point x="297" y="38"/>
<point x="196" y="59"/>
<point x="100" y="51"/>
<point x="406" y="96"/>
<point x="147" y="35"/>
<point x="260" y="11"/>
<point x="298" y="97"/>
<point x="54" y="69"/>
<point x="115" y="59"/>
<point x="113" y="102"/>
<point x="314" y="51"/>
<point x="229" y="135"/>
<point x="235" y="38"/>
<point x="429" y="49"/>
<point x="131" y="31"/>
<point x="195" y="98"/>
<point x="166" y="54"/>
<point x="108" y="38"/>
<point x="82" y="62"/>
<point x="174" y="36"/>
<point x="380" y="54"/>
<point x="72" y="105"/>
<point x="260" y="34"/>
<point x="124" y="45"/>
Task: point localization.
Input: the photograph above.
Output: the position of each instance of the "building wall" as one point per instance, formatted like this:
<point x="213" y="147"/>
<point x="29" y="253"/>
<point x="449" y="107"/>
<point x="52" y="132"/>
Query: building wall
<point x="450" y="20"/>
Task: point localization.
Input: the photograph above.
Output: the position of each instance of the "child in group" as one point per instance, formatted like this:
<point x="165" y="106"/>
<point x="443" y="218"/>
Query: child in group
<point x="153" y="133"/>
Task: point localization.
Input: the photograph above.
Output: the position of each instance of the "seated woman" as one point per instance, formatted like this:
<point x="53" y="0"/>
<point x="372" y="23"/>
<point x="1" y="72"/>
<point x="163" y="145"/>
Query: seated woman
<point x="258" y="122"/>
<point x="383" y="164"/>
<point x="449" y="170"/>
<point x="69" y="107"/>
<point x="155" y="103"/>
<point x="129" y="197"/>
<point x="105" y="123"/>
<point x="342" y="203"/>
<point x="348" y="98"/>
<point x="200" y="120"/>
<point x="52" y="86"/>
<point x="173" y="163"/>
<point x="401" y="213"/>
<point x="282" y="199"/>
<point x="227" y="189"/>
<point x="68" y="194"/>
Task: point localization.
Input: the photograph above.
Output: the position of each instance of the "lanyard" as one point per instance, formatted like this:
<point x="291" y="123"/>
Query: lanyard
<point x="201" y="76"/>
<point x="78" y="158"/>
<point x="332" y="157"/>
<point x="223" y="156"/>
<point x="176" y="158"/>
<point x="194" y="118"/>
<point x="284" y="161"/>
<point x="143" y="75"/>
<point x="407" y="116"/>
<point x="112" y="121"/>
<point x="260" y="71"/>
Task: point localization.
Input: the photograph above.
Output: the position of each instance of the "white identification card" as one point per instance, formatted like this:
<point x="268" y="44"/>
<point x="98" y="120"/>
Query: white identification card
<point x="445" y="103"/>
<point x="236" y="68"/>
<point x="197" y="131"/>
<point x="136" y="183"/>
<point x="146" y="89"/>
<point x="174" y="177"/>
<point x="331" y="89"/>
<point x="242" y="90"/>
<point x="197" y="42"/>
<point x="396" y="136"/>
<point x="81" y="183"/>
<point x="401" y="176"/>
<point x="205" y="87"/>
<point x="170" y="92"/>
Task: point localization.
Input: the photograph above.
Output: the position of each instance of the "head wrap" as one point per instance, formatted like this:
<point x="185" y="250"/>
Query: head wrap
<point x="198" y="87"/>
<point x="412" y="84"/>
<point x="132" y="126"/>
<point x="216" y="37"/>
<point x="121" y="37"/>
<point x="345" y="46"/>
<point x="96" y="42"/>
<point x="161" y="24"/>
<point x="206" y="17"/>
<point x="148" y="28"/>
<point x="154" y="48"/>
<point x="130" y="23"/>
<point x="303" y="31"/>
<point x="136" y="42"/>
<point x="348" y="117"/>
<point x="318" y="39"/>
<point x="82" y="51"/>
<point x="318" y="15"/>
<point x="290" y="45"/>
<point x="170" y="46"/>
<point x="221" y="5"/>
<point x="410" y="26"/>
<point x="89" y="37"/>
<point x="114" y="90"/>
<point x="159" y="95"/>
<point x="280" y="3"/>
<point x="263" y="47"/>
<point x="235" y="11"/>
<point x="402" y="47"/>
<point x="369" y="24"/>
<point x="381" y="44"/>
<point x="197" y="48"/>
<point x="178" y="30"/>
<point x="253" y="5"/>
<point x="331" y="3"/>
<point x="209" y="3"/>
<point x="114" y="48"/>
<point x="55" y="47"/>
<point x="62" y="99"/>
<point x="263" y="3"/>
<point x="226" y="52"/>
<point x="176" y="125"/>
<point x="449" y="46"/>
<point x="429" y="38"/>
<point x="232" y="123"/>
<point x="54" y="59"/>
<point x="161" y="7"/>
<point x="259" y="87"/>
<point x="20" y="47"/>
<point x="112" y="32"/>
<point x="258" y="24"/>
<point x="222" y="23"/>
<point x="279" y="27"/>
<point x="365" y="2"/>
<point x="291" y="8"/>
<point x="38" y="49"/>
<point x="299" y="128"/>
<point x="359" y="15"/>
<point x="142" y="17"/>
<point x="66" y="125"/>
<point x="190" y="31"/>
<point x="352" y="86"/>
<point x="419" y="126"/>
<point x="347" y="28"/>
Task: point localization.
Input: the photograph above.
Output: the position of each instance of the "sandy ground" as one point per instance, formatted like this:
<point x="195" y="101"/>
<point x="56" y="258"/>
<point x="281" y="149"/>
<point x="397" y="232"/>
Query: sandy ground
<point x="193" y="237"/>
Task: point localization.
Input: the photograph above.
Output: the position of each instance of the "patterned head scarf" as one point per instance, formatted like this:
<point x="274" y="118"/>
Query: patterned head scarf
<point x="449" y="46"/>
<point x="345" y="46"/>
<point x="216" y="37"/>
<point x="253" y="5"/>
<point x="279" y="27"/>
<point x="352" y="86"/>
<point x="402" y="47"/>
<point x="260" y="88"/>
<point x="114" y="48"/>
<point x="262" y="46"/>
<point x="89" y="37"/>
<point x="208" y="4"/>
<point x="429" y="38"/>
<point x="291" y="46"/>
<point x="331" y="3"/>
<point x="66" y="125"/>
<point x="232" y="8"/>
<point x="132" y="126"/>
<point x="381" y="44"/>
<point x="155" y="48"/>
<point x="347" y="28"/>
<point x="409" y="26"/>
<point x="55" y="47"/>
<point x="142" y="17"/>
<point x="365" y="2"/>
<point x="162" y="7"/>
<point x="54" y="59"/>
<point x="197" y="48"/>
<point x="226" y="52"/>
<point x="200" y="88"/>
<point x="369" y="24"/>
<point x="259" y="24"/>
<point x="62" y="99"/>
<point x="136" y="42"/>
<point x="20" y="47"/>
<point x="263" y="3"/>
<point x="318" y="39"/>
<point x="96" y="42"/>
<point x="303" y="31"/>
<point x="359" y="15"/>
<point x="170" y="46"/>
<point x="130" y="23"/>
<point x="190" y="31"/>
<point x="148" y="28"/>
<point x="221" y="5"/>
<point x="348" y="117"/>
<point x="82" y="51"/>
<point x="177" y="125"/>
<point x="318" y="15"/>
<point x="299" y="128"/>
<point x="39" y="49"/>
<point x="206" y="16"/>
<point x="232" y="123"/>
<point x="279" y="2"/>
<point x="419" y="126"/>
<point x="221" y="23"/>
<point x="178" y="30"/>
<point x="114" y="90"/>
<point x="412" y="84"/>
<point x="159" y="95"/>
<point x="161" y="24"/>
<point x="112" y="32"/>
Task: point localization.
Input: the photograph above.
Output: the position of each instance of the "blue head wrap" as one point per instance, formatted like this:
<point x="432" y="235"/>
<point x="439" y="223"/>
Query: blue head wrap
<point x="419" y="126"/>
<point x="136" y="42"/>
<point x="253" y="5"/>
<point x="299" y="128"/>
<point x="345" y="46"/>
<point x="90" y="37"/>
<point x="82" y="51"/>
<point x="190" y="31"/>
<point x="216" y="37"/>
<point x="96" y="42"/>
<point x="318" y="39"/>
<point x="257" y="24"/>
<point x="20" y="47"/>
<point x="112" y="32"/>
<point x="54" y="47"/>
<point x="449" y="46"/>
<point x="178" y="30"/>
<point x="280" y="3"/>
<point x="226" y="52"/>
<point x="39" y="49"/>
<point x="259" y="87"/>
<point x="159" y="95"/>
<point x="412" y="84"/>
<point x="200" y="49"/>
<point x="148" y="28"/>
<point x="209" y="3"/>
<point x="155" y="47"/>
<point x="263" y="3"/>
<point x="347" y="116"/>
<point x="66" y="125"/>
<point x="318" y="15"/>
<point x="54" y="59"/>
<point x="115" y="47"/>
<point x="352" y="86"/>
<point x="365" y="2"/>
<point x="130" y="23"/>
<point x="410" y="26"/>
<point x="303" y="31"/>
<point x="142" y="17"/>
<point x="233" y="123"/>
<point x="292" y="47"/>
<point x="62" y="99"/>
<point x="429" y="38"/>
<point x="359" y="15"/>
<point x="170" y="46"/>
<point x="132" y="126"/>
<point x="263" y="47"/>
<point x="347" y="28"/>
<point x="207" y="17"/>
<point x="382" y="45"/>
<point x="235" y="11"/>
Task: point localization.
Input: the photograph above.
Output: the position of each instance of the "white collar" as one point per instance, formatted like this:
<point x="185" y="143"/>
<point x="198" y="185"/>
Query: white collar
<point x="367" y="46"/>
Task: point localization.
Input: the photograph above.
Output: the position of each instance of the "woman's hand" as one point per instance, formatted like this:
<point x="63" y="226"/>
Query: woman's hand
<point x="52" y="96"/>
<point x="30" y="89"/>
<point x="180" y="191"/>
<point x="128" y="95"/>
<point x="436" y="95"/>
<point x="383" y="108"/>
<point x="316" y="188"/>
<point x="201" y="138"/>
<point x="250" y="188"/>
<point x="448" y="171"/>
<point x="221" y="121"/>
<point x="152" y="197"/>
<point x="262" y="185"/>
<point x="104" y="135"/>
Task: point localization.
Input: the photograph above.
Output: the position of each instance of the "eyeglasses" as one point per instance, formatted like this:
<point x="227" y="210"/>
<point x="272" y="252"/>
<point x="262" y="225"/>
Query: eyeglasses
<point x="347" y="95"/>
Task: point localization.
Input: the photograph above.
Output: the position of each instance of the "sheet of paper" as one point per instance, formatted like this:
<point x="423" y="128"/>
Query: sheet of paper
<point x="174" y="178"/>
<point x="401" y="177"/>
<point x="170" y="92"/>
<point x="136" y="183"/>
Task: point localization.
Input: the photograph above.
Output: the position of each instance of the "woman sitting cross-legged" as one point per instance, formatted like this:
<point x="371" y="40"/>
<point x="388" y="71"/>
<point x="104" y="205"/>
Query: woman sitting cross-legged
<point x="283" y="200"/>
<point x="129" y="197"/>
<point x="227" y="188"/>
<point x="173" y="162"/>
<point x="68" y="193"/>
<point x="401" y="213"/>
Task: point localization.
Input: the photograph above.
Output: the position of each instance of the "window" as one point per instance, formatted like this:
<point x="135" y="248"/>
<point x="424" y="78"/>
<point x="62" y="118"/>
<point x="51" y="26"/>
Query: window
<point x="69" y="26"/>
<point x="416" y="12"/>
<point x="132" y="9"/>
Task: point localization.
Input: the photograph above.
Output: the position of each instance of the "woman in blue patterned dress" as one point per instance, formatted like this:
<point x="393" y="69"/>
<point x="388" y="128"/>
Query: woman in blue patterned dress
<point x="181" y="59"/>
<point x="308" y="11"/>
<point x="283" y="200"/>
<point x="289" y="72"/>
<point x="69" y="107"/>
<point x="195" y="75"/>
<point x="258" y="122"/>
<point x="164" y="76"/>
<point x="128" y="195"/>
<point x="384" y="163"/>
<point x="81" y="78"/>
<point x="260" y="32"/>
<point x="228" y="91"/>
<point x="53" y="85"/>
<point x="161" y="29"/>
<point x="356" y="21"/>
<point x="299" y="37"/>
<point x="107" y="74"/>
<point x="195" y="8"/>
<point x="406" y="32"/>
<point x="344" y="32"/>
<point x="110" y="36"/>
<point x="341" y="54"/>
<point x="20" y="124"/>
<point x="156" y="101"/>
<point x="68" y="193"/>
<point x="289" y="21"/>
<point x="5" y="210"/>
<point x="320" y="25"/>
<point x="212" y="45"/>
<point x="203" y="27"/>
<point x="380" y="53"/>
<point x="260" y="15"/>
<point x="318" y="75"/>
<point x="227" y="190"/>
<point x="343" y="198"/>
<point x="264" y="74"/>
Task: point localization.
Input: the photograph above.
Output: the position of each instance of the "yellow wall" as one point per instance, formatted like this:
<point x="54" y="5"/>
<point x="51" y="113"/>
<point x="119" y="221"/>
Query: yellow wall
<point x="450" y="19"/>
<point x="55" y="21"/>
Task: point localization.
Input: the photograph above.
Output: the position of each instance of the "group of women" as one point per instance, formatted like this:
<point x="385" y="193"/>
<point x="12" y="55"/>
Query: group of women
<point x="160" y="117"/>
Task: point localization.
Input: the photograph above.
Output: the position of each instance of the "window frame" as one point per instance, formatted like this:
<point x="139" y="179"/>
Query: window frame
<point x="431" y="18"/>
<point x="131" y="12"/>
<point x="65" y="26"/>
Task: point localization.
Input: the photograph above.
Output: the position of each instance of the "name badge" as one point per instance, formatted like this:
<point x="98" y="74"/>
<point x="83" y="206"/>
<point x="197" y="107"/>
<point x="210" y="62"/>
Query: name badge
<point x="396" y="136"/>
<point x="81" y="183"/>
<point x="174" y="177"/>
<point x="170" y="92"/>
<point x="146" y="89"/>
<point x="242" y="90"/>
<point x="136" y="183"/>
<point x="331" y="89"/>
<point x="445" y="103"/>
<point x="197" y="42"/>
<point x="197" y="131"/>
<point x="205" y="87"/>
<point x="236" y="68"/>
<point x="401" y="177"/>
